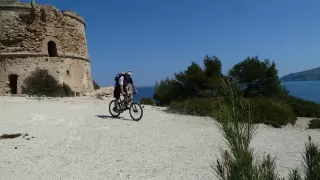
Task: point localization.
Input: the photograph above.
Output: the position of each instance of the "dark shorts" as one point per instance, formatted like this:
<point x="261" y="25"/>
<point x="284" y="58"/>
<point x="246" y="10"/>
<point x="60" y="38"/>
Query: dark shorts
<point x="117" y="92"/>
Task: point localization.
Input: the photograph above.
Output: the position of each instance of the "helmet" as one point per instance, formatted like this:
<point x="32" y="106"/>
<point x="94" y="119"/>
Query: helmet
<point x="128" y="72"/>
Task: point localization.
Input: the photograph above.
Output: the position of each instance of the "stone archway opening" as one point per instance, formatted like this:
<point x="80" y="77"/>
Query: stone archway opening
<point x="52" y="49"/>
<point x="13" y="83"/>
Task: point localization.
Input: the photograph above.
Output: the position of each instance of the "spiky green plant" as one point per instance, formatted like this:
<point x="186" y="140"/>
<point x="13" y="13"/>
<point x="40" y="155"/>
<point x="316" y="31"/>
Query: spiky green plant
<point x="236" y="126"/>
<point x="311" y="163"/>
<point x="295" y="175"/>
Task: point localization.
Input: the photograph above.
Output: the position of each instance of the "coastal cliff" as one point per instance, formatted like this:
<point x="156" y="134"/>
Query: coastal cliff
<point x="308" y="75"/>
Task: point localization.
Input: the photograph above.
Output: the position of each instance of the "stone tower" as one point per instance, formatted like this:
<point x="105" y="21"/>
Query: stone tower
<point x="33" y="35"/>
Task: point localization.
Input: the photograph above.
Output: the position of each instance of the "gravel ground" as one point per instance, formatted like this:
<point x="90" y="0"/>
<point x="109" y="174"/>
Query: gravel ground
<point x="76" y="138"/>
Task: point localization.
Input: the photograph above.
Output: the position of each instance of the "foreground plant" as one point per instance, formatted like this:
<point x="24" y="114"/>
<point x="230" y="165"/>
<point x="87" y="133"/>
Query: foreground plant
<point x="236" y="124"/>
<point x="312" y="161"/>
<point x="311" y="164"/>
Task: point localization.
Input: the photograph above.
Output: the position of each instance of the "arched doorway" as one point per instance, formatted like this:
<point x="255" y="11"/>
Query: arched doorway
<point x="13" y="83"/>
<point x="52" y="49"/>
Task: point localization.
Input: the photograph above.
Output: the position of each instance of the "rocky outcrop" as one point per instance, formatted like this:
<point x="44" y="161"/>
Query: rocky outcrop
<point x="106" y="92"/>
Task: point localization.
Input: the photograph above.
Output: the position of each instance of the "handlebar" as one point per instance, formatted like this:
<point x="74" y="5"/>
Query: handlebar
<point x="131" y="94"/>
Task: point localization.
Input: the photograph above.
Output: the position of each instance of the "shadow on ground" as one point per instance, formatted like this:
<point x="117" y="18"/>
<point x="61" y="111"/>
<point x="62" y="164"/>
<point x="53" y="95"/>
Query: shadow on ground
<point x="111" y="117"/>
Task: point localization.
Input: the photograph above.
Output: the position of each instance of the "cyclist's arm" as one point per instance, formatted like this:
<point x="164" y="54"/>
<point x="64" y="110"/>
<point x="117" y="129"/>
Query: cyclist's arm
<point x="132" y="84"/>
<point x="134" y="87"/>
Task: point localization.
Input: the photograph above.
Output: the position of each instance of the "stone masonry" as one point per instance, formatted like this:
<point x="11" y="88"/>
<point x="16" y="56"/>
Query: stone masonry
<point x="33" y="35"/>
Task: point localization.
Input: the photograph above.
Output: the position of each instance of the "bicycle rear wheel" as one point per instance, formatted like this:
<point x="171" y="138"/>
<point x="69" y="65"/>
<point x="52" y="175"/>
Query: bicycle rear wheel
<point x="114" y="113"/>
<point x="134" y="109"/>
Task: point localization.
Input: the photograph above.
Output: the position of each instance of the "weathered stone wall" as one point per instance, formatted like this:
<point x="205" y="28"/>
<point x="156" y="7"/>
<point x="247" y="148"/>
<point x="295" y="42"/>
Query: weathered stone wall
<point x="25" y="32"/>
<point x="8" y="2"/>
<point x="75" y="73"/>
<point x="21" y="31"/>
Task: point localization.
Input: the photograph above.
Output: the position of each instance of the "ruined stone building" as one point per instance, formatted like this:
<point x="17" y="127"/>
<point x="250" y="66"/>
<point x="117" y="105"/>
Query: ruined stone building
<point x="33" y="35"/>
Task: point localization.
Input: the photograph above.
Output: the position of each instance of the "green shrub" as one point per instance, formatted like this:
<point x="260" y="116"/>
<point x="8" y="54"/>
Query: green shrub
<point x="67" y="90"/>
<point x="269" y="111"/>
<point x="41" y="83"/>
<point x="95" y="85"/>
<point x="257" y="78"/>
<point x="193" y="82"/>
<point x="197" y="106"/>
<point x="272" y="112"/>
<point x="166" y="91"/>
<point x="147" y="101"/>
<point x="301" y="107"/>
<point x="314" y="124"/>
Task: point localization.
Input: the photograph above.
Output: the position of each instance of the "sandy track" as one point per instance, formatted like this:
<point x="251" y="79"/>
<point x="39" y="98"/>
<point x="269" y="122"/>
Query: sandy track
<point x="77" y="139"/>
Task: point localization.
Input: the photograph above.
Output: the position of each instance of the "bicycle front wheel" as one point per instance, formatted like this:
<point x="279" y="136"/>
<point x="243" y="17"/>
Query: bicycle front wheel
<point x="135" y="109"/>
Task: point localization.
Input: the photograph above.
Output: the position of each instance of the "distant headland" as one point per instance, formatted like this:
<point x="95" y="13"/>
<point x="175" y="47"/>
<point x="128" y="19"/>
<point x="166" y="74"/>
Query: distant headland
<point x="308" y="75"/>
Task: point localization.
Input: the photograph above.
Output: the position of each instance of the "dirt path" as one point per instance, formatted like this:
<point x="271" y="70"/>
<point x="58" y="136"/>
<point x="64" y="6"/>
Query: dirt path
<point x="77" y="139"/>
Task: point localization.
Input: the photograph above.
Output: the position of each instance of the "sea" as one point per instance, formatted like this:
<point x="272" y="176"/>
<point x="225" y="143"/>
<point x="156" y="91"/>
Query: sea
<point x="308" y="90"/>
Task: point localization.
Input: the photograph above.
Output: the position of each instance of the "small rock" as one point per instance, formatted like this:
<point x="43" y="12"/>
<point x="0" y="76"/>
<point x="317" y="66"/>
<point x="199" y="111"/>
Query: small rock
<point x="28" y="139"/>
<point x="26" y="134"/>
<point x="15" y="148"/>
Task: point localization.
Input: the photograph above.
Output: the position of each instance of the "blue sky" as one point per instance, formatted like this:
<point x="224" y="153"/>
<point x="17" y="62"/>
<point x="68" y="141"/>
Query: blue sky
<point x="155" y="38"/>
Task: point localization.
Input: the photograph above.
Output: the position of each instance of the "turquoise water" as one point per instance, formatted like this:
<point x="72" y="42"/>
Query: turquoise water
<point x="144" y="92"/>
<point x="309" y="90"/>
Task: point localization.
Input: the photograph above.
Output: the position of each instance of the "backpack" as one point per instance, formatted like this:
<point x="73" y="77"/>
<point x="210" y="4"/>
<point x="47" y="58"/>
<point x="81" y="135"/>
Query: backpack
<point x="117" y="77"/>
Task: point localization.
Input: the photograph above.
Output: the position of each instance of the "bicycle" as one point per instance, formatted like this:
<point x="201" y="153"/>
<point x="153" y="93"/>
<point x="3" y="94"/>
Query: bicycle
<point x="122" y="107"/>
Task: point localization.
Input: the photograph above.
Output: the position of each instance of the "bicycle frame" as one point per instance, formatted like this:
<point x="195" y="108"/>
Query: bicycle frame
<point x="129" y="99"/>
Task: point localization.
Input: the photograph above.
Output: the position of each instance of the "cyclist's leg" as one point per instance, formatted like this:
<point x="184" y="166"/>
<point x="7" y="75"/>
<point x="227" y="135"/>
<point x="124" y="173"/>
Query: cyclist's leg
<point x="116" y="94"/>
<point x="126" y="98"/>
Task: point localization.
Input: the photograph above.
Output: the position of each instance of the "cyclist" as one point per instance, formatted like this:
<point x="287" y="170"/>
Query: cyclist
<point x="120" y="87"/>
